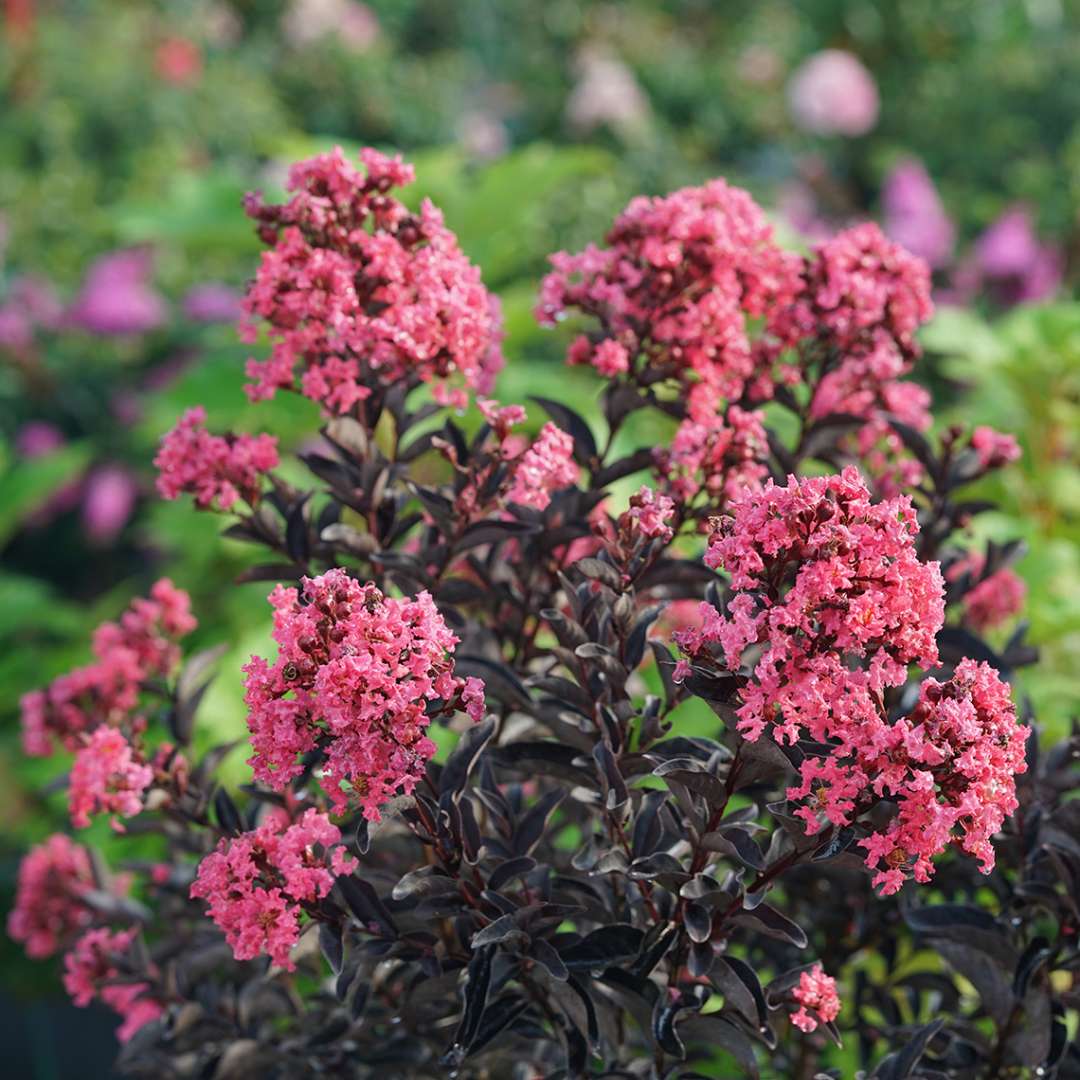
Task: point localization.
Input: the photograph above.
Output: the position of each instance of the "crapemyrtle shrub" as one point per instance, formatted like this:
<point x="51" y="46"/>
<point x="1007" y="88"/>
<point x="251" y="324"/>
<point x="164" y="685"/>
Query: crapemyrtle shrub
<point x="869" y="866"/>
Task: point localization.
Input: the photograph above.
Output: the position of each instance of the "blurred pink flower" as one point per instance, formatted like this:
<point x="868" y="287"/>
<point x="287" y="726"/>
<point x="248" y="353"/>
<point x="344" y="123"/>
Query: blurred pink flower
<point x="351" y="23"/>
<point x="108" y="502"/>
<point x="1009" y="252"/>
<point x="178" y="61"/>
<point x="832" y="93"/>
<point x="606" y="93"/>
<point x="117" y="297"/>
<point x="16" y="330"/>
<point x="212" y="302"/>
<point x="38" y="438"/>
<point x="914" y="215"/>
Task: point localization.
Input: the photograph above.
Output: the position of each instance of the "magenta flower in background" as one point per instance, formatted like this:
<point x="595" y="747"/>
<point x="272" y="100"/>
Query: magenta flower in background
<point x="212" y="302"/>
<point x="108" y="502"/>
<point x="1010" y="253"/>
<point x="38" y="438"/>
<point x="914" y="215"/>
<point x="833" y="93"/>
<point x="117" y="297"/>
<point x="1009" y="246"/>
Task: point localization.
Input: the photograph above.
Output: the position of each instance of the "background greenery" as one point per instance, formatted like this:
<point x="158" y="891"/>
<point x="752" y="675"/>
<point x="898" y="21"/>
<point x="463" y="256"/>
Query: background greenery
<point x="141" y="123"/>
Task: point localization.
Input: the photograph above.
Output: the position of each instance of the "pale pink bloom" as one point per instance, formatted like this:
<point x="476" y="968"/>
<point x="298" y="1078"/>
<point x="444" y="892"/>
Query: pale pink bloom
<point x="350" y="22"/>
<point x="832" y="93"/>
<point x="606" y="93"/>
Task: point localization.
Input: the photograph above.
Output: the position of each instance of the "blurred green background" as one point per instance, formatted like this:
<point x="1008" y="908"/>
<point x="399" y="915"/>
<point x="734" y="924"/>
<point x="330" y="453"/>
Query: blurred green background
<point x="131" y="129"/>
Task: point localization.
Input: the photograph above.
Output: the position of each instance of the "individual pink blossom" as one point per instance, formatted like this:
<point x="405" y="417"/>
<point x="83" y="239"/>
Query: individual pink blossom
<point x="650" y="512"/>
<point x="355" y="675"/>
<point x="117" y="297"/>
<point x="914" y="216"/>
<point x="358" y="293"/>
<point x="676" y="287"/>
<point x="257" y="883"/>
<point x="832" y="93"/>
<point x="217" y="469"/>
<point x="993" y="599"/>
<point x="473" y="699"/>
<point x="821" y="576"/>
<point x="994" y="448"/>
<point x="140" y="645"/>
<point x="817" y="997"/>
<point x="90" y="966"/>
<point x="501" y="417"/>
<point x="49" y="907"/>
<point x="107" y="776"/>
<point x="950" y="767"/>
<point x="548" y="465"/>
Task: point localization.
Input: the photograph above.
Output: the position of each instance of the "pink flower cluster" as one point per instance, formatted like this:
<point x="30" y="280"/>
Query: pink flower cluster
<point x="823" y="577"/>
<point x="950" y="767"/>
<point x="861" y="288"/>
<point x="355" y="675"/>
<point x="107" y="776"/>
<point x="865" y="297"/>
<point x="992" y="599"/>
<point x="141" y="645"/>
<point x="49" y="908"/>
<point x="216" y="469"/>
<point x="255" y="884"/>
<point x="676" y="285"/>
<point x="720" y="454"/>
<point x="868" y="383"/>
<point x="817" y="997"/>
<point x="546" y="466"/>
<point x="358" y="292"/>
<point x="90" y="966"/>
<point x="820" y="576"/>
